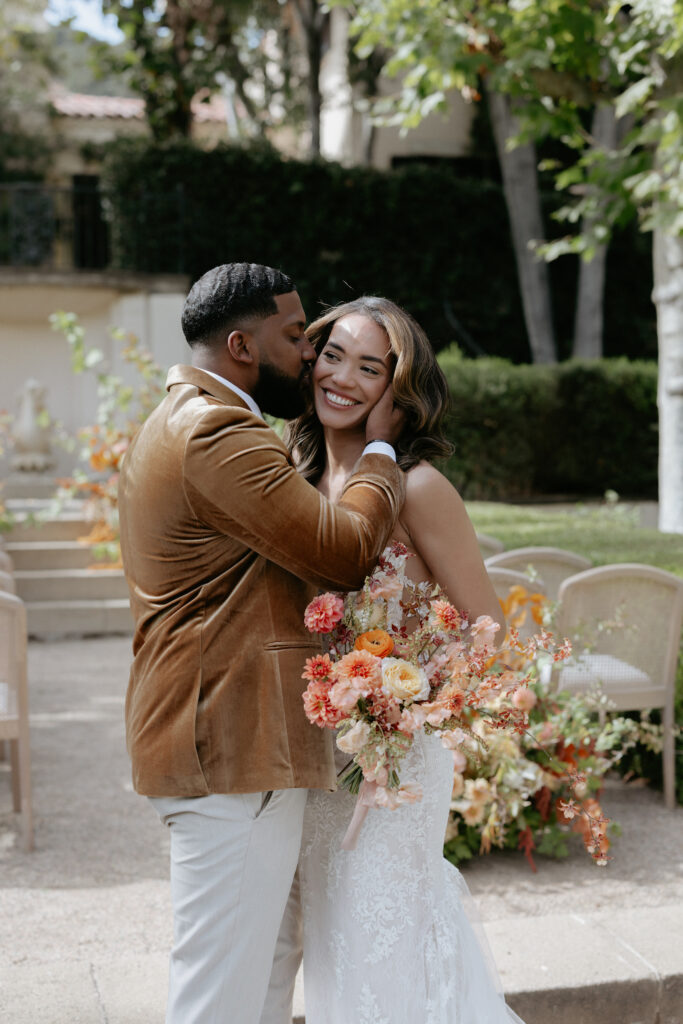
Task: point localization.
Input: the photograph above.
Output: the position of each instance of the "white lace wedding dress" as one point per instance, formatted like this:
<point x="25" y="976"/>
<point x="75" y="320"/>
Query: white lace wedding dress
<point x="387" y="939"/>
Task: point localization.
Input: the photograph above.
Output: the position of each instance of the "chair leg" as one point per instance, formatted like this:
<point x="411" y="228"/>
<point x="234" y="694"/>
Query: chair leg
<point x="26" y="794"/>
<point x="669" y="759"/>
<point x="21" y="788"/>
<point x="16" y="775"/>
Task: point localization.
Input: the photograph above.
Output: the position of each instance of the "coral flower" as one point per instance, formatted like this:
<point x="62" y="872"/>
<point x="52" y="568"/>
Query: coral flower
<point x="318" y="668"/>
<point x="318" y="707"/>
<point x="355" y="675"/>
<point x="445" y="614"/>
<point x="376" y="641"/>
<point x="323" y="613"/>
<point x="360" y="666"/>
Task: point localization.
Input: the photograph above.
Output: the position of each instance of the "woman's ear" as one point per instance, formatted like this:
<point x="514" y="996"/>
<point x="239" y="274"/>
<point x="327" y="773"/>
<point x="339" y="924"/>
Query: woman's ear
<point x="239" y="345"/>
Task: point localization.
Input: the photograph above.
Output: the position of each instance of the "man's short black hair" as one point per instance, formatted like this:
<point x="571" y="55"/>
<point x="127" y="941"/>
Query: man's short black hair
<point x="227" y="296"/>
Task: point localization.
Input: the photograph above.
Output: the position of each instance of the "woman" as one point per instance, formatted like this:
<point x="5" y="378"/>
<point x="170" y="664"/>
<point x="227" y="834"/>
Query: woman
<point x="386" y="938"/>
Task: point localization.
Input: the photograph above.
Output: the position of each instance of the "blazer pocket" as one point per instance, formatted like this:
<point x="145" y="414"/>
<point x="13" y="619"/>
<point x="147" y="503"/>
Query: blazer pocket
<point x="288" y="645"/>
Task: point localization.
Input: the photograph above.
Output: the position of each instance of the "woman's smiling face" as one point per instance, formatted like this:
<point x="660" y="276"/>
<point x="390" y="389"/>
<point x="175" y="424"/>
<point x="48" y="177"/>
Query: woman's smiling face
<point x="352" y="372"/>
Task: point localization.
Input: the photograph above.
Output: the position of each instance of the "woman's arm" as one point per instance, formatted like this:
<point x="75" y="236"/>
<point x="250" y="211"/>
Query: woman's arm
<point x="443" y="536"/>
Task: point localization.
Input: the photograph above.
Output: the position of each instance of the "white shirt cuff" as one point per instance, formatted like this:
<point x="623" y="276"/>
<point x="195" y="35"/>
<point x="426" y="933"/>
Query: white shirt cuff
<point x="380" y="448"/>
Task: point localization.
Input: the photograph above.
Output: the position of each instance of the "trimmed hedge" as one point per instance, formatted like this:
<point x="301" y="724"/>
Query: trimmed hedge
<point x="575" y="429"/>
<point x="437" y="244"/>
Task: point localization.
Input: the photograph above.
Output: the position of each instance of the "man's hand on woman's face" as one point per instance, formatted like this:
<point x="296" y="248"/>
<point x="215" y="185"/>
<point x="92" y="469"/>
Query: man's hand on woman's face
<point x="386" y="421"/>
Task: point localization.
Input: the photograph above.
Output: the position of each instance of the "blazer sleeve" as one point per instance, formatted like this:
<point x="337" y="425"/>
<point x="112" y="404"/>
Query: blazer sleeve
<point x="240" y="480"/>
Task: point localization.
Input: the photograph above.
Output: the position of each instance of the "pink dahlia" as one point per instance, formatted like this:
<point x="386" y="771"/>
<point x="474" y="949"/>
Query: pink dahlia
<point x="355" y="675"/>
<point x="318" y="707"/>
<point x="360" y="667"/>
<point x="318" y="669"/>
<point x="323" y="613"/>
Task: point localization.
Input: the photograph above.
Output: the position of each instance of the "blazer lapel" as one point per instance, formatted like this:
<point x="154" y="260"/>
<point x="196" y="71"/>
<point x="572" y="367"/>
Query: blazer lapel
<point x="205" y="382"/>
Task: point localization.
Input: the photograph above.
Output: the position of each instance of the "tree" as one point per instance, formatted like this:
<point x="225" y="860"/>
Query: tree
<point x="25" y="66"/>
<point x="173" y="53"/>
<point x="520" y="184"/>
<point x="184" y="48"/>
<point x="312" y="18"/>
<point x="439" y="46"/>
<point x="560" y="61"/>
<point x="634" y="60"/>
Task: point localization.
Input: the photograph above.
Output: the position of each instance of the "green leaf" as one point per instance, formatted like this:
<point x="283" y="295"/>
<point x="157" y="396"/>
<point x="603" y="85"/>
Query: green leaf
<point x="635" y="96"/>
<point x="92" y="358"/>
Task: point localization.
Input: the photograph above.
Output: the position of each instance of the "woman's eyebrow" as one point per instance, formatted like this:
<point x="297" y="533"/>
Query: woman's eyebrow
<point x="365" y="359"/>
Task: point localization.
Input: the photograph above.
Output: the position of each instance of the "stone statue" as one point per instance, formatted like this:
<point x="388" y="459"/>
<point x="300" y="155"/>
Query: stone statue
<point x="31" y="432"/>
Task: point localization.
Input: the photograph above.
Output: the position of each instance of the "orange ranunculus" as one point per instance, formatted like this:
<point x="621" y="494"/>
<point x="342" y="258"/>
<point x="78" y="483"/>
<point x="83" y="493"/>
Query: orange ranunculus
<point x="376" y="641"/>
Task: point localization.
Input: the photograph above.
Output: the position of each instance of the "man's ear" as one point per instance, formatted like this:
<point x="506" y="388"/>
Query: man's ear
<point x="240" y="345"/>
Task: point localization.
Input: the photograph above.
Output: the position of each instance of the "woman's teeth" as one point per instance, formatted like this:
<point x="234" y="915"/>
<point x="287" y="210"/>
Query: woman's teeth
<point x="338" y="400"/>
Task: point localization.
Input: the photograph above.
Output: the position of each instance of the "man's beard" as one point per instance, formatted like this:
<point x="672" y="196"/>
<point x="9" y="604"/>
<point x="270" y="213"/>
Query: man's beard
<point x="280" y="395"/>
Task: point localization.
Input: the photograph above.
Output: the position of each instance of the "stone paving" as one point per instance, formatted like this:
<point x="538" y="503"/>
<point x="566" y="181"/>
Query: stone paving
<point x="86" y="922"/>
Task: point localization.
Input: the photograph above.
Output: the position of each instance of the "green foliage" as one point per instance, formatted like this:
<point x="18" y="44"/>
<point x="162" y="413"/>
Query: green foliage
<point x="561" y="59"/>
<point x="579" y="428"/>
<point x="435" y="243"/>
<point x="121" y="408"/>
<point x="25" y="62"/>
<point x="176" y="50"/>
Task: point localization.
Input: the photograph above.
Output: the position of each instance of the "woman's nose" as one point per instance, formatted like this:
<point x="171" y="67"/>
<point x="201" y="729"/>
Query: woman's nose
<point x="342" y="373"/>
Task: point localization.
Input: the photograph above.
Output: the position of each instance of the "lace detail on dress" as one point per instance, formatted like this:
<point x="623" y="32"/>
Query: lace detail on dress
<point x="386" y="938"/>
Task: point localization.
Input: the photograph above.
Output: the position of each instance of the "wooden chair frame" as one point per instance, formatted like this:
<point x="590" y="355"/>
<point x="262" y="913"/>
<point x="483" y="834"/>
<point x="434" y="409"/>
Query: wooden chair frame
<point x="14" y="723"/>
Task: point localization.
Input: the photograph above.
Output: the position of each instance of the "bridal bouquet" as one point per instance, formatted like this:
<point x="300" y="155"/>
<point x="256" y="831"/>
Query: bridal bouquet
<point x="400" y="658"/>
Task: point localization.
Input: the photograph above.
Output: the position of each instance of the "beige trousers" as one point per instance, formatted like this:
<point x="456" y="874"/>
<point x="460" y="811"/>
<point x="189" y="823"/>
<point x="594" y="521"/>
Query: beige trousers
<point x="236" y="920"/>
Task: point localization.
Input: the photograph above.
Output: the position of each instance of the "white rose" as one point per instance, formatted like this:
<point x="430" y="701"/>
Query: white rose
<point x="355" y="739"/>
<point x="404" y="681"/>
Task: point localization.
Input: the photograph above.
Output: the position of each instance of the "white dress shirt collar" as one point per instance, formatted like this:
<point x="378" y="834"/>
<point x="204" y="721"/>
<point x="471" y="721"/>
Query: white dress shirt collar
<point x="238" y="391"/>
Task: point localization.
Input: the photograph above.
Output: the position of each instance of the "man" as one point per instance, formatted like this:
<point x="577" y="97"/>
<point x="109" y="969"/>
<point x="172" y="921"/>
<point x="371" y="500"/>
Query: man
<point x="223" y="545"/>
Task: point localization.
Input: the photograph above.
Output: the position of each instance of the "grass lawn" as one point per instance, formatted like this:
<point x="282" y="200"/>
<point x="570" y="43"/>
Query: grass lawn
<point x="603" y="533"/>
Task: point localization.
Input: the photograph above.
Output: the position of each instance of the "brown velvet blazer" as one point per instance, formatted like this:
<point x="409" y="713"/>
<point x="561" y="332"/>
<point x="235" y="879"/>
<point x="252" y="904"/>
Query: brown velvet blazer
<point x="223" y="546"/>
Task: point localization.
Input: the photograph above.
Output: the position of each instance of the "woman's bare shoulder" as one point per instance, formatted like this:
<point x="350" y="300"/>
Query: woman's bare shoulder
<point x="429" y="493"/>
<point x="425" y="481"/>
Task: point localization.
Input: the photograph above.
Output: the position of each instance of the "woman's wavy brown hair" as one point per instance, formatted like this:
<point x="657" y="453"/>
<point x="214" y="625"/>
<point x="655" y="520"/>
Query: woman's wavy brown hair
<point x="420" y="388"/>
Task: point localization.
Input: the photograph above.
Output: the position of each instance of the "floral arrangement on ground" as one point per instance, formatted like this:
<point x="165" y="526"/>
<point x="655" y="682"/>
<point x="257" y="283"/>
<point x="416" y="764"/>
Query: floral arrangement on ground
<point x="530" y="790"/>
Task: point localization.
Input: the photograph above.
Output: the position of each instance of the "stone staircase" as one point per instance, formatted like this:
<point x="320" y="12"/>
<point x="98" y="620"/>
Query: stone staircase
<point x="63" y="594"/>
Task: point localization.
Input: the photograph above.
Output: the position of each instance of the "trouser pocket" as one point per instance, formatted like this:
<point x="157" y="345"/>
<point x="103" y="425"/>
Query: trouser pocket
<point x="256" y="803"/>
<point x="266" y="798"/>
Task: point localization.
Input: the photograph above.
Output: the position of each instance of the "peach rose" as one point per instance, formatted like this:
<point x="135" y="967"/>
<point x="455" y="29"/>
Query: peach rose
<point x="355" y="739"/>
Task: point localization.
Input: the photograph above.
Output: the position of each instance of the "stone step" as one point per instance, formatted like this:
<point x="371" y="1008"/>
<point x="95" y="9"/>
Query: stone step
<point x="65" y="585"/>
<point x="51" y="620"/>
<point x="49" y="506"/>
<point x="51" y="554"/>
<point x="30" y="487"/>
<point x="28" y="529"/>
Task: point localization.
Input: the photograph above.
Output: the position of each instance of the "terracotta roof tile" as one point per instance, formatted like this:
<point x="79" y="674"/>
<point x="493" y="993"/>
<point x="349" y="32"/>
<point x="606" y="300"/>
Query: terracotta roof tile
<point x="75" y="104"/>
